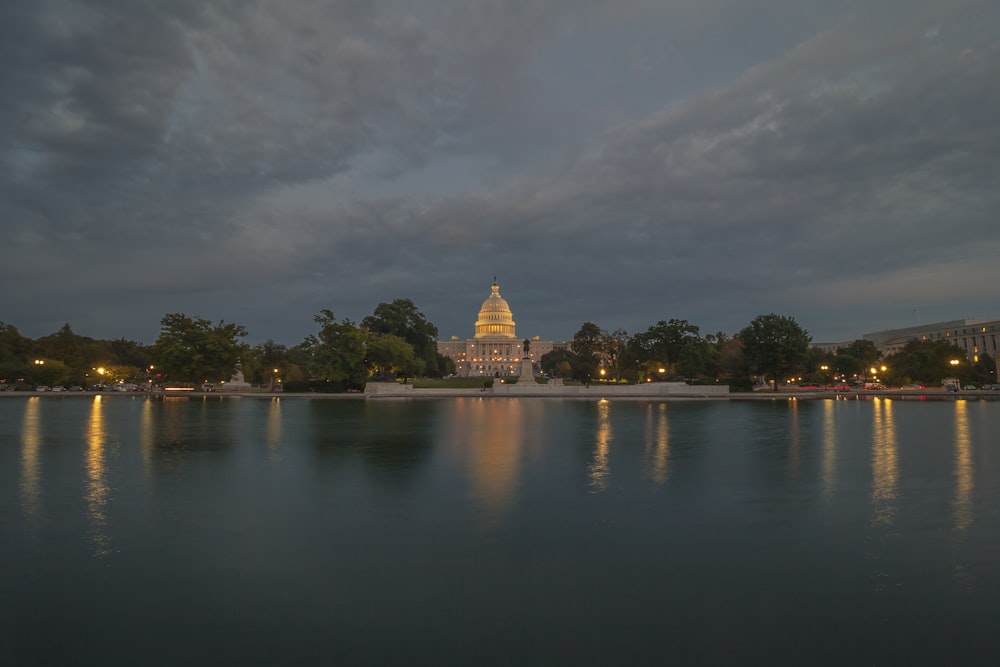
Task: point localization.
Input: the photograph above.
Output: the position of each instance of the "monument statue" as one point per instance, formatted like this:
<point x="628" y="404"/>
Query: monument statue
<point x="527" y="346"/>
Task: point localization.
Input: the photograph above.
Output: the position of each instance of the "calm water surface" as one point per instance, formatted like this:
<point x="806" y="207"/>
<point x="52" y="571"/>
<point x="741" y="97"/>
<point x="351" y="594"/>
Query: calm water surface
<point x="484" y="531"/>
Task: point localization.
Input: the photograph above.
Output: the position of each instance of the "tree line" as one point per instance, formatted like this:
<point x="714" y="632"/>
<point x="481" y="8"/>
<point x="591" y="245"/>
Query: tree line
<point x="397" y="341"/>
<point x="772" y="350"/>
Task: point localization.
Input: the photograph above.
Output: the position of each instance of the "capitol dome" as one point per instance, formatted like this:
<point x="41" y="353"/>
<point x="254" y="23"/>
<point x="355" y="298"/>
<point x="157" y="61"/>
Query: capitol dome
<point x="495" y="319"/>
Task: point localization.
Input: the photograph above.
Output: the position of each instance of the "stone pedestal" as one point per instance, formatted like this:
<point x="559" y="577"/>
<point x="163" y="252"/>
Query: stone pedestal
<point x="236" y="383"/>
<point x="526" y="372"/>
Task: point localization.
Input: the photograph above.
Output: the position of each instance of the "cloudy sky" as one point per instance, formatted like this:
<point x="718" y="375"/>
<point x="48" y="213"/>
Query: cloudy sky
<point x="616" y="162"/>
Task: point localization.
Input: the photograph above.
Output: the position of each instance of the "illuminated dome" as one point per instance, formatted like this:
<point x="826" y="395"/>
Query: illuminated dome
<point x="495" y="319"/>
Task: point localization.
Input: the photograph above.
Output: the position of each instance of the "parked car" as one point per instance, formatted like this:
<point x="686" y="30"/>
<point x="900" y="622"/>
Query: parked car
<point x="913" y="386"/>
<point x="41" y="387"/>
<point x="970" y="387"/>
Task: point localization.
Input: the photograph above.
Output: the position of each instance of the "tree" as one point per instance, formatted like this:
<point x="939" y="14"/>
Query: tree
<point x="15" y="352"/>
<point x="558" y="363"/>
<point x="589" y="347"/>
<point x="616" y="347"/>
<point x="856" y="358"/>
<point x="774" y="345"/>
<point x="265" y="363"/>
<point x="662" y="344"/>
<point x="402" y="318"/>
<point x="127" y="353"/>
<point x="984" y="370"/>
<point x="337" y="352"/>
<point x="192" y="349"/>
<point x="388" y="353"/>
<point x="51" y="372"/>
<point x="928" y="361"/>
<point x="699" y="359"/>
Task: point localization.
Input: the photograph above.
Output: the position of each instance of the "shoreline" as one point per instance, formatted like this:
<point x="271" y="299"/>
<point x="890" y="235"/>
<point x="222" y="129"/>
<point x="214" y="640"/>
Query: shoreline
<point x="689" y="393"/>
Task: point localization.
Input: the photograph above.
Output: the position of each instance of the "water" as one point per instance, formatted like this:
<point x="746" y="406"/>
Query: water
<point x="479" y="531"/>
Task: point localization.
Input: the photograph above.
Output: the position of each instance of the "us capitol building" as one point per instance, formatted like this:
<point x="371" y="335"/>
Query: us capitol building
<point x="495" y="351"/>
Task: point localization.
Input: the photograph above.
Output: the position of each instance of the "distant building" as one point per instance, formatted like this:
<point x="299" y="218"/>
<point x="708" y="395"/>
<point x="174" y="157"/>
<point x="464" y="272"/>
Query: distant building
<point x="976" y="337"/>
<point x="495" y="350"/>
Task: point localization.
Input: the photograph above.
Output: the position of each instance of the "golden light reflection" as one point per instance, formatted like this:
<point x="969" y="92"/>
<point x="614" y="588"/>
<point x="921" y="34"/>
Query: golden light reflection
<point x="98" y="492"/>
<point x="494" y="433"/>
<point x="147" y="439"/>
<point x="794" y="441"/>
<point x="885" y="466"/>
<point x="31" y="471"/>
<point x="829" y="462"/>
<point x="657" y="442"/>
<point x="962" y="510"/>
<point x="599" y="471"/>
<point x="274" y="426"/>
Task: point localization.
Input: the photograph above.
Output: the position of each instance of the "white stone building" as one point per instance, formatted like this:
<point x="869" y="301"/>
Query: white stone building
<point x="495" y="350"/>
<point x="976" y="337"/>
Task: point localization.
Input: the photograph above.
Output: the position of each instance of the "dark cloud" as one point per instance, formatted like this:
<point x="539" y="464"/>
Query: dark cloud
<point x="709" y="161"/>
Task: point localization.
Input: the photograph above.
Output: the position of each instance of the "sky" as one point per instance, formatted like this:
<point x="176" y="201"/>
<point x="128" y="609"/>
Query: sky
<point x="619" y="163"/>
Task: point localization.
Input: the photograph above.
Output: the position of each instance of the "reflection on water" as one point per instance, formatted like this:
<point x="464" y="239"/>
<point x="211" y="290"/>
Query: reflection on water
<point x="274" y="426"/>
<point x="829" y="460"/>
<point x="492" y="434"/>
<point x="599" y="469"/>
<point x="147" y="439"/>
<point x="371" y="526"/>
<point x="794" y="441"/>
<point x="962" y="510"/>
<point x="885" y="467"/>
<point x="30" y="464"/>
<point x="657" y="442"/>
<point x="169" y="430"/>
<point x="98" y="493"/>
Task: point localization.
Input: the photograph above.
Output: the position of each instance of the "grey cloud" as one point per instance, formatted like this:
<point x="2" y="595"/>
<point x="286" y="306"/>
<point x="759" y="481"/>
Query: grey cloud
<point x="273" y="159"/>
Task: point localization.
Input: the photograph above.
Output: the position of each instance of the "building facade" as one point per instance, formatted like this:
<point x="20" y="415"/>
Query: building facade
<point x="976" y="337"/>
<point x="495" y="350"/>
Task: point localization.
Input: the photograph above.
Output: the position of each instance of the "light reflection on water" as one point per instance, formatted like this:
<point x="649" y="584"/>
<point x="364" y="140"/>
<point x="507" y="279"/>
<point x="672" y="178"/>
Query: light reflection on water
<point x="794" y="440"/>
<point x="657" y="442"/>
<point x="489" y="436"/>
<point x="829" y="456"/>
<point x="274" y="427"/>
<point x="885" y="466"/>
<point x="379" y="531"/>
<point x="964" y="478"/>
<point x="600" y="468"/>
<point x="30" y="460"/>
<point x="97" y="493"/>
